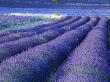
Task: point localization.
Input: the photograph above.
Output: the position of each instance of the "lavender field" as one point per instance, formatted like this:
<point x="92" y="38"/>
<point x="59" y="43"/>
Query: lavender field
<point x="66" y="49"/>
<point x="73" y="11"/>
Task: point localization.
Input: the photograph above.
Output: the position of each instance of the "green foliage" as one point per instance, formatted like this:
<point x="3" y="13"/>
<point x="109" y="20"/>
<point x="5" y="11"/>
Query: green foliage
<point x="56" y="1"/>
<point x="57" y="14"/>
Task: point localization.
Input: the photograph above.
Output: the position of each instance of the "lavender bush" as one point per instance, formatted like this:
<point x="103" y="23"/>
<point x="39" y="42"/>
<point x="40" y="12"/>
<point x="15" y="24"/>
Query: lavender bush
<point x="16" y="36"/>
<point x="2" y="34"/>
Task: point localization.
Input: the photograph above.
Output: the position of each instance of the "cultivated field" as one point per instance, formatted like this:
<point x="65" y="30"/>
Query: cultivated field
<point x="69" y="49"/>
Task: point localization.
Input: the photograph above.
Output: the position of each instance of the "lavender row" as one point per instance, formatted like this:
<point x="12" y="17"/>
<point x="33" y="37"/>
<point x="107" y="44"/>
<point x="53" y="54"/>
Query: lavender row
<point x="25" y="43"/>
<point x="78" y="23"/>
<point x="91" y="23"/>
<point x="43" y="25"/>
<point x="40" y="30"/>
<point x="88" y="62"/>
<point x="66" y="23"/>
<point x="37" y="63"/>
<point x="72" y="20"/>
<point x="103" y="23"/>
<point x="61" y="20"/>
<point x="14" y="47"/>
<point x="16" y="36"/>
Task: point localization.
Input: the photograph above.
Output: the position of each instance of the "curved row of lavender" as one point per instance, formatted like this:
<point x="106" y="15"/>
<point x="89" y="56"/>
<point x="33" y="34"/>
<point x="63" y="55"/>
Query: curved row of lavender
<point x="40" y="27"/>
<point x="62" y="19"/>
<point x="82" y="21"/>
<point x="15" y="36"/>
<point x="14" y="47"/>
<point x="40" y="30"/>
<point x="88" y="62"/>
<point x="36" y="64"/>
<point x="68" y="24"/>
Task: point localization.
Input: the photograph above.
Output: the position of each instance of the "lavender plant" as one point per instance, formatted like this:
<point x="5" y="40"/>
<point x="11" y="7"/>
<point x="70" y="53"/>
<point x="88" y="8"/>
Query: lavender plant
<point x="2" y="34"/>
<point x="15" y="36"/>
